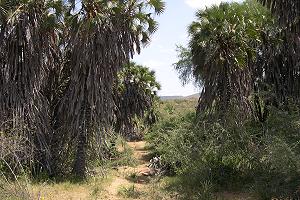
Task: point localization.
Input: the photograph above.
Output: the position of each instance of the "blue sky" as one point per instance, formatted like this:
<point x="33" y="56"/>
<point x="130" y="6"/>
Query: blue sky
<point x="160" y="54"/>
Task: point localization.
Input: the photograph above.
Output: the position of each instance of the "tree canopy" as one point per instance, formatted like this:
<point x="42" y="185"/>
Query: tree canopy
<point x="222" y="50"/>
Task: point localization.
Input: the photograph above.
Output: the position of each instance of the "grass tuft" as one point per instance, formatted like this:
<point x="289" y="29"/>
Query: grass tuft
<point x="129" y="192"/>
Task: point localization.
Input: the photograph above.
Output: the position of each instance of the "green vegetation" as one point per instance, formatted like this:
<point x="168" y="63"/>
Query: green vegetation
<point x="261" y="159"/>
<point x="133" y="177"/>
<point x="244" y="135"/>
<point x="130" y="192"/>
<point x="69" y="95"/>
<point x="123" y="155"/>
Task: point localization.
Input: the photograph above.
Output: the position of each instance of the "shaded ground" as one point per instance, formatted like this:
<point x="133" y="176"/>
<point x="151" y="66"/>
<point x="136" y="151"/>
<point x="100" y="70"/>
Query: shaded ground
<point x="122" y="183"/>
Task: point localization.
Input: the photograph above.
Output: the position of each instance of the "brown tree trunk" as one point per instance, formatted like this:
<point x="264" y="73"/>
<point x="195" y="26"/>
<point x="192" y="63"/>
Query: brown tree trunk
<point x="80" y="165"/>
<point x="79" y="168"/>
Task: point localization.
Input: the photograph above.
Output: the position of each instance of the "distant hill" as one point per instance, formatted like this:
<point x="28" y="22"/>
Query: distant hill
<point x="193" y="96"/>
<point x="163" y="98"/>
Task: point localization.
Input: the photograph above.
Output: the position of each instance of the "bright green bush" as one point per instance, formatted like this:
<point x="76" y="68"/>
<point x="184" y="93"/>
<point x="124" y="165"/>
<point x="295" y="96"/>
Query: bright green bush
<point x="260" y="158"/>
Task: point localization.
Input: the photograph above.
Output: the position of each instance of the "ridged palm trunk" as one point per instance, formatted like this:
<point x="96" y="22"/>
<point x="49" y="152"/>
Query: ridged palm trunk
<point x="80" y="164"/>
<point x="80" y="157"/>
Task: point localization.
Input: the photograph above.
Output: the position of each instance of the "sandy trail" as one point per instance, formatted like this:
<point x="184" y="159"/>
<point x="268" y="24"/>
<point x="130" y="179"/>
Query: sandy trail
<point x="120" y="180"/>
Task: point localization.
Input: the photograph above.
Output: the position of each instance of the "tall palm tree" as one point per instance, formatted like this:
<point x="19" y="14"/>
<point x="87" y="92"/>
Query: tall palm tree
<point x="27" y="53"/>
<point x="103" y="36"/>
<point x="281" y="59"/>
<point x="222" y="50"/>
<point x="135" y="97"/>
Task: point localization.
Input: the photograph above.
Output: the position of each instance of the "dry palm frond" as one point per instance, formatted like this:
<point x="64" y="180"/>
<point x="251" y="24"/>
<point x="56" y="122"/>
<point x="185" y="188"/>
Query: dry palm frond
<point x="287" y="11"/>
<point x="26" y="55"/>
<point x="280" y="51"/>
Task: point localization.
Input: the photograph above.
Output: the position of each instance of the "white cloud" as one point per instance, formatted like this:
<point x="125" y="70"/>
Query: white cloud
<point x="202" y="3"/>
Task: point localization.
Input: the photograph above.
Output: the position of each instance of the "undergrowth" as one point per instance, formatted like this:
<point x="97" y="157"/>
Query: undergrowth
<point x="129" y="192"/>
<point x="44" y="187"/>
<point x="208" y="157"/>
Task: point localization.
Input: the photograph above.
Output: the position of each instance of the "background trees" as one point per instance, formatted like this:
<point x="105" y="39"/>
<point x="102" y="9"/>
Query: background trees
<point x="290" y="19"/>
<point x="135" y="97"/>
<point x="280" y="59"/>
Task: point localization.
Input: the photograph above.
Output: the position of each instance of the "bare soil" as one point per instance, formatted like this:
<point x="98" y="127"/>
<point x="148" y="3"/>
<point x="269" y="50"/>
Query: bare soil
<point x="124" y="179"/>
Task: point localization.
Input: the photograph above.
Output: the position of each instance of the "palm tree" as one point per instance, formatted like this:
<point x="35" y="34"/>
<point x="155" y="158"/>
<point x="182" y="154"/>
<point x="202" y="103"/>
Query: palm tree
<point x="281" y="58"/>
<point x="222" y="50"/>
<point x="27" y="53"/>
<point x="103" y="37"/>
<point x="135" y="97"/>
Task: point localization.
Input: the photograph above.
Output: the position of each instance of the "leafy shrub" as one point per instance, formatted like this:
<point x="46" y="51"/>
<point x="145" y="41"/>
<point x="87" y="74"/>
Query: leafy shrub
<point x="262" y="158"/>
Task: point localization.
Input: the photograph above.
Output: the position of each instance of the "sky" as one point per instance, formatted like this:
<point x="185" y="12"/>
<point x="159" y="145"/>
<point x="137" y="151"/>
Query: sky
<point x="160" y="54"/>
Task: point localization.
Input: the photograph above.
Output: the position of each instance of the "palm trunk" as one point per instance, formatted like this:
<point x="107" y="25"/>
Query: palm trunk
<point x="80" y="165"/>
<point x="79" y="168"/>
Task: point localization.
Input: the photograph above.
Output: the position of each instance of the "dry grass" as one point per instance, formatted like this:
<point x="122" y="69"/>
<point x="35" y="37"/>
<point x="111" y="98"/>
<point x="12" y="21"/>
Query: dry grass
<point x="91" y="189"/>
<point x="170" y="108"/>
<point x="14" y="190"/>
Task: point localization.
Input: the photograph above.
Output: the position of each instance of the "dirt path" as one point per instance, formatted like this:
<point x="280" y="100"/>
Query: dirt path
<point x="142" y="176"/>
<point x="131" y="180"/>
<point x="124" y="183"/>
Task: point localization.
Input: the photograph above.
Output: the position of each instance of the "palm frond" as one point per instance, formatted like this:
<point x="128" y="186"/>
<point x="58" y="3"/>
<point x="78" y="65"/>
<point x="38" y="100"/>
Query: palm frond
<point x="287" y="11"/>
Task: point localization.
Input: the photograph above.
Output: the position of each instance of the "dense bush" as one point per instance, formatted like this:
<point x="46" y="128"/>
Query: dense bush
<point x="260" y="158"/>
